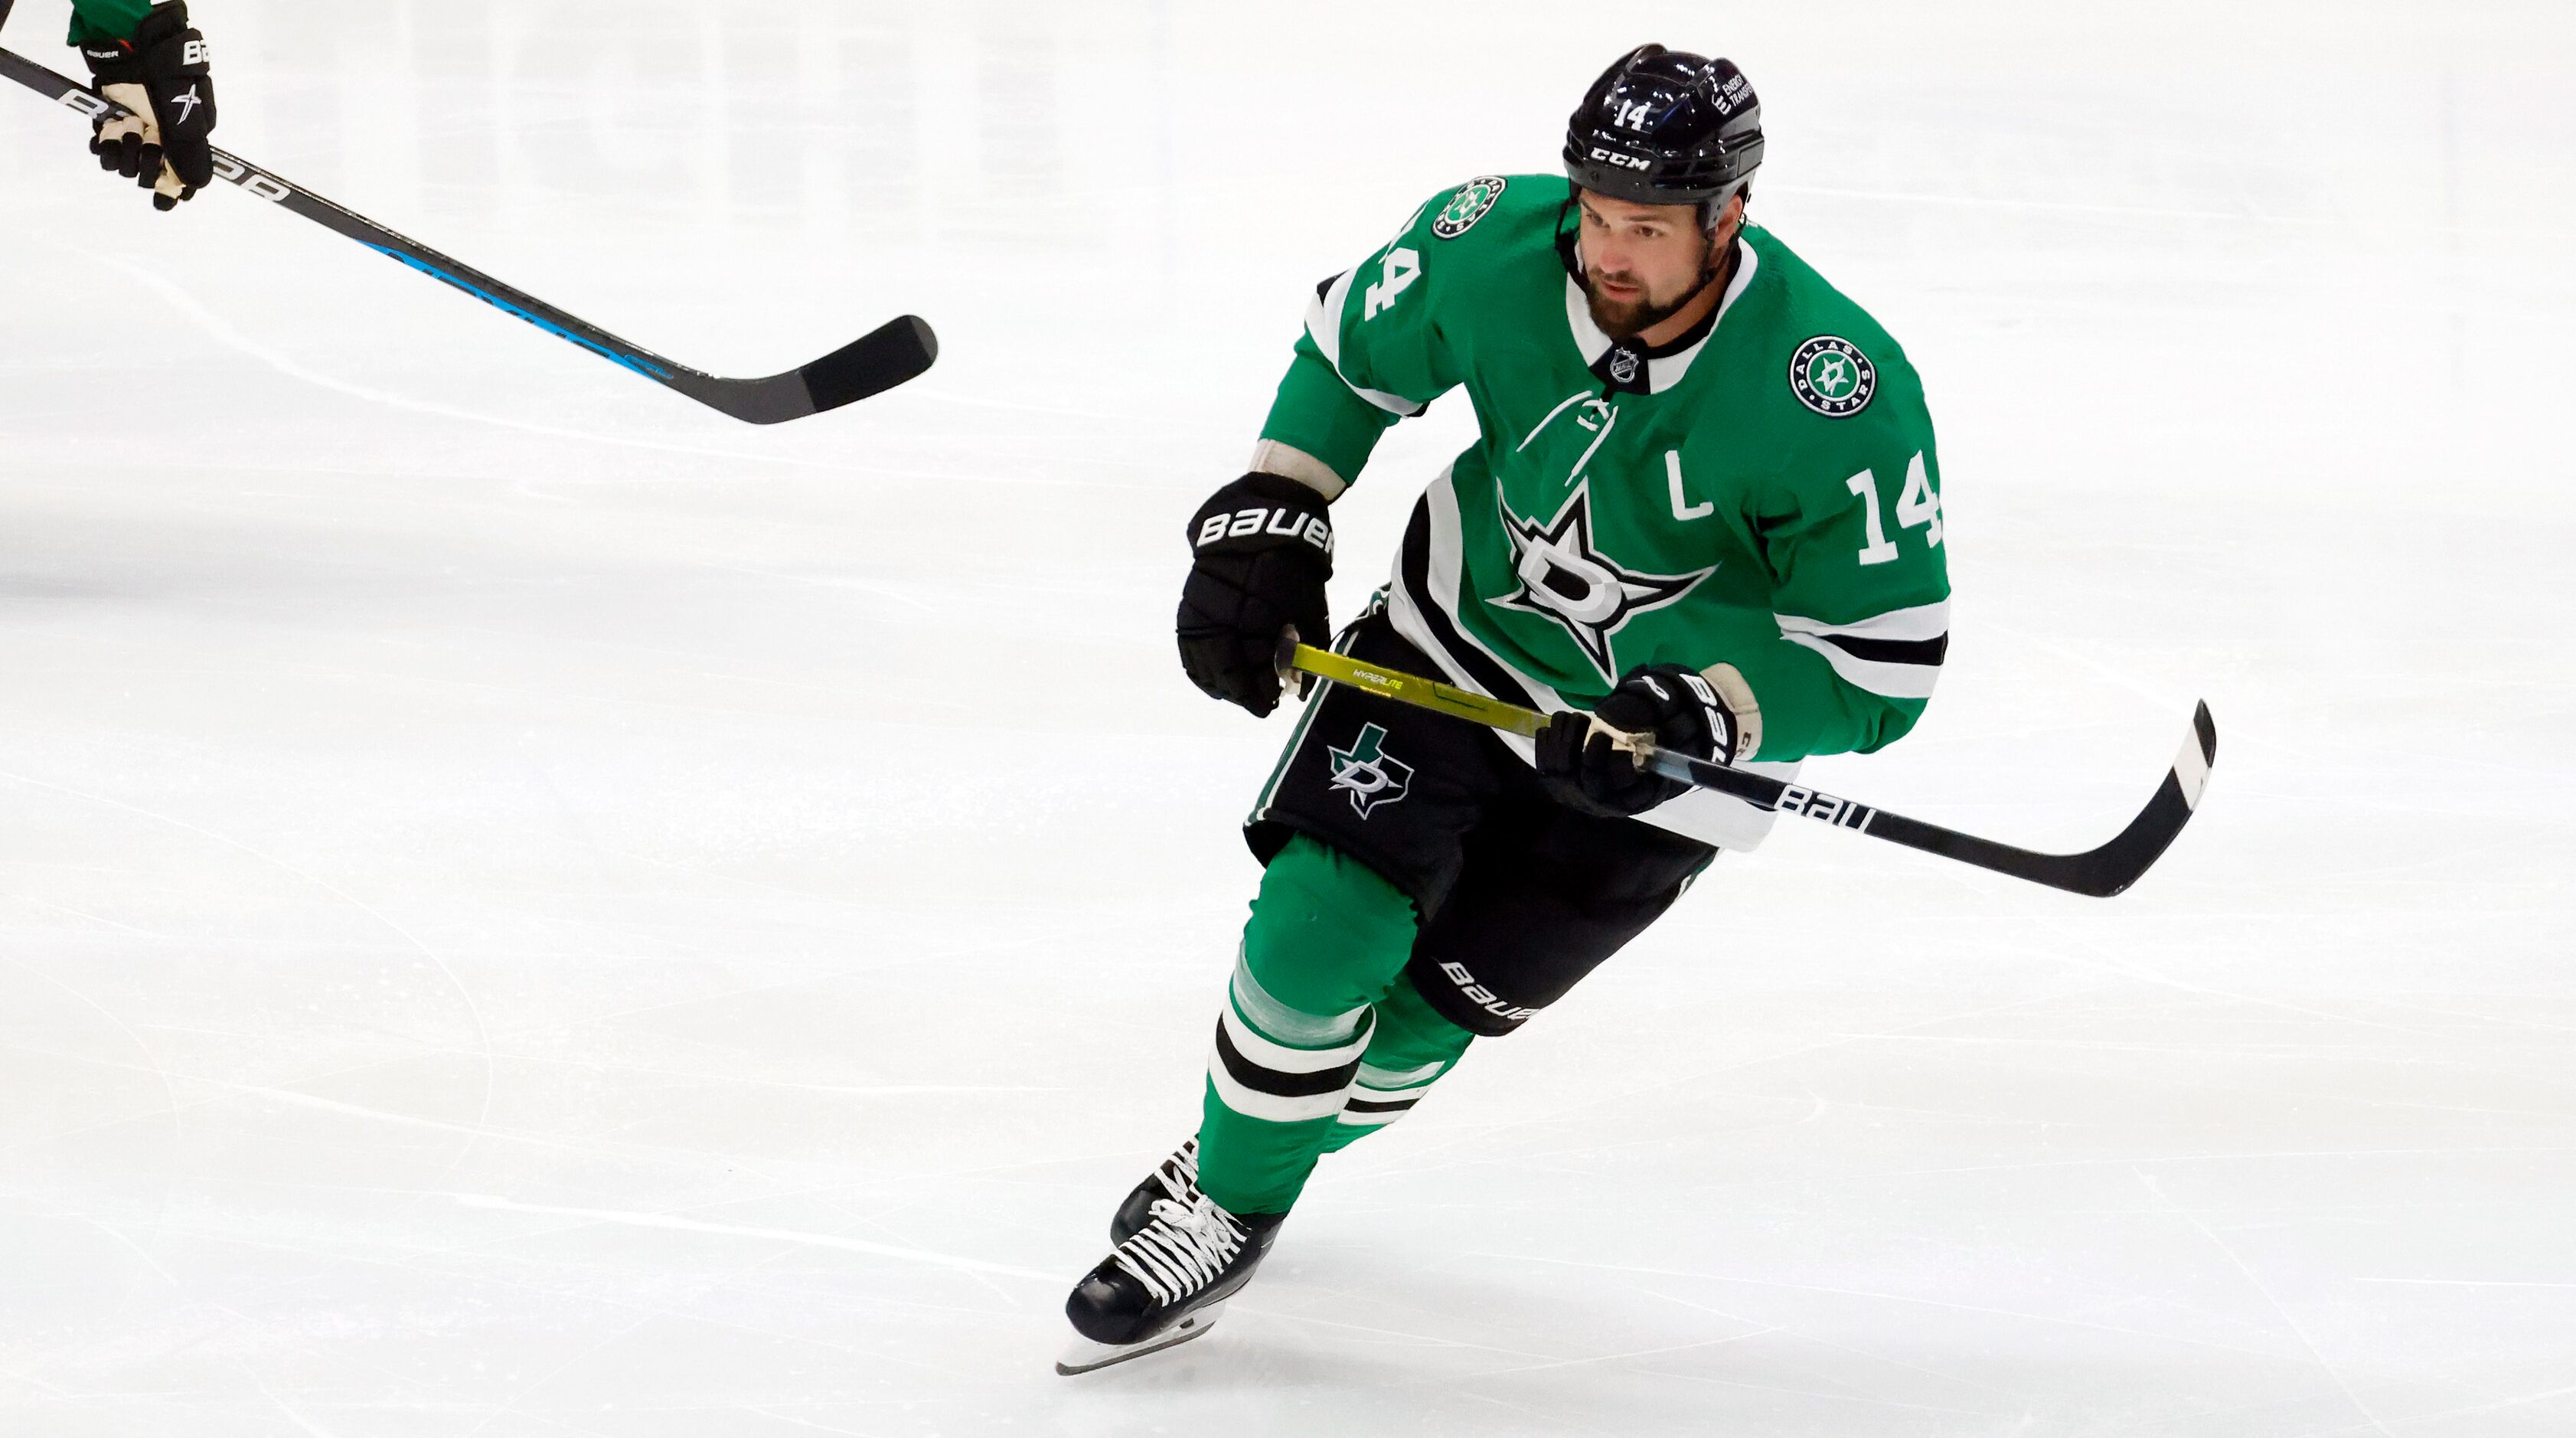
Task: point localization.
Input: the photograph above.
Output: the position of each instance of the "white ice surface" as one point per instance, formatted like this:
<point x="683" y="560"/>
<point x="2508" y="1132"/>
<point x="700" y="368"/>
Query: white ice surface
<point x="529" y="908"/>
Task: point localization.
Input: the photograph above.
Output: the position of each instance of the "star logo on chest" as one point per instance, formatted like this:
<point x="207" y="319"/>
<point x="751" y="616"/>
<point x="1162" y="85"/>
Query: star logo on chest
<point x="1565" y="576"/>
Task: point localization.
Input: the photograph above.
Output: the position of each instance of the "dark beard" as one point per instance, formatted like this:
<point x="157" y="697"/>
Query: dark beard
<point x="1626" y="322"/>
<point x="1622" y="322"/>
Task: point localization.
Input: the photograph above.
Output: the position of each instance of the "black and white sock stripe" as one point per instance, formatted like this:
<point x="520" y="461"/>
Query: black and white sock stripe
<point x="1380" y="1097"/>
<point x="1259" y="1078"/>
<point x="1377" y="1112"/>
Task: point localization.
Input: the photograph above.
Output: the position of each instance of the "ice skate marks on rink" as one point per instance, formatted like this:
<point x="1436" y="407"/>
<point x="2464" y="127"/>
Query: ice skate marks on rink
<point x="525" y="909"/>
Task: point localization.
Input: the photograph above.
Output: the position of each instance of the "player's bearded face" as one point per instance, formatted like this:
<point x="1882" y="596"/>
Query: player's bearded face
<point x="1641" y="263"/>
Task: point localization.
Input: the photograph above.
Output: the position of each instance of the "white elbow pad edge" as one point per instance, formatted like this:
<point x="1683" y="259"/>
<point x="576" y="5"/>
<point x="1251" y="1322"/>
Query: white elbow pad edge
<point x="1290" y="462"/>
<point x="1729" y="683"/>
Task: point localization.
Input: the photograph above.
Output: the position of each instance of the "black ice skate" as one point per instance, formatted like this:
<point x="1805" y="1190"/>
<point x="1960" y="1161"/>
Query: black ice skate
<point x="1175" y="1178"/>
<point x="1170" y="1278"/>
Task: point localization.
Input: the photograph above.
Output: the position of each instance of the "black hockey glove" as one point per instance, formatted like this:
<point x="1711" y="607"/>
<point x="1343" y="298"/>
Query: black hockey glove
<point x="161" y="76"/>
<point x="1262" y="548"/>
<point x="1674" y="706"/>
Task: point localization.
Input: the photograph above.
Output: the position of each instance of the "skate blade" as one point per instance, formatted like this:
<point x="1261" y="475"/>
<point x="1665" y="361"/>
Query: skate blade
<point x="1085" y="1356"/>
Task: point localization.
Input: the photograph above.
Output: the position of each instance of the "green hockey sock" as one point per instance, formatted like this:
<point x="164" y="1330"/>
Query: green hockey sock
<point x="1327" y="939"/>
<point x="1411" y="1046"/>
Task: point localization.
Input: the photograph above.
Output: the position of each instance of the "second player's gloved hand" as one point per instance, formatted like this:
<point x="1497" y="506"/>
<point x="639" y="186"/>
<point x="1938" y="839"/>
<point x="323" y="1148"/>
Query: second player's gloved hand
<point x="160" y="75"/>
<point x="1261" y="548"/>
<point x="1667" y="702"/>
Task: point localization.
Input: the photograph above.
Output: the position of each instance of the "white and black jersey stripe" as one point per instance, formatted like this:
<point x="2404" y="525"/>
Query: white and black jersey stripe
<point x="1427" y="580"/>
<point x="1897" y="654"/>
<point x="1324" y="326"/>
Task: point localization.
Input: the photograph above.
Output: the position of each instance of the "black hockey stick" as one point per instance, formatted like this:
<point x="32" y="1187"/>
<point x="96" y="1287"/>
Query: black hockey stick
<point x="2100" y="872"/>
<point x="894" y="352"/>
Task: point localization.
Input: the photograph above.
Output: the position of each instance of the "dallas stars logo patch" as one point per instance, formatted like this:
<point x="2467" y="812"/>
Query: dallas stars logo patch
<point x="1832" y="377"/>
<point x="1567" y="578"/>
<point x="1467" y="206"/>
<point x="1365" y="773"/>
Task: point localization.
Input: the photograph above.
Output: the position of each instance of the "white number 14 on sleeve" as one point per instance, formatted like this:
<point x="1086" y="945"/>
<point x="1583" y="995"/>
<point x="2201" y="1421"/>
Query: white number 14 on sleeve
<point x="1916" y="505"/>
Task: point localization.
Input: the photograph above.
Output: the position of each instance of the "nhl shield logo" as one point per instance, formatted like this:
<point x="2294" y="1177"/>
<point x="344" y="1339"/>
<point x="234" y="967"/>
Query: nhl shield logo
<point x="1831" y="376"/>
<point x="1367" y="775"/>
<point x="1624" y="364"/>
<point x="1467" y="206"/>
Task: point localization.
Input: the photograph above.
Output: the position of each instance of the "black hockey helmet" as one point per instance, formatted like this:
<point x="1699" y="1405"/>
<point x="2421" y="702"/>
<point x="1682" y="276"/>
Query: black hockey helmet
<point x="1666" y="127"/>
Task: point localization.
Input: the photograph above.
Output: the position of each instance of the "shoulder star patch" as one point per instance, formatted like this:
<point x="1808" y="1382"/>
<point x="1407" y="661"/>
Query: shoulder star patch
<point x="1467" y="206"/>
<point x="1831" y="376"/>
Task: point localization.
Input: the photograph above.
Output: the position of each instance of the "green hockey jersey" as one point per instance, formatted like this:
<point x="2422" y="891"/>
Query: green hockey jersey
<point x="1761" y="492"/>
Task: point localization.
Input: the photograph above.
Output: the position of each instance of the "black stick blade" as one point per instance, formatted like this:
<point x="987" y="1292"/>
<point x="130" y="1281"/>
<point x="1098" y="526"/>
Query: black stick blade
<point x="2096" y="873"/>
<point x="2112" y="868"/>
<point x="876" y="362"/>
<point x="900" y="349"/>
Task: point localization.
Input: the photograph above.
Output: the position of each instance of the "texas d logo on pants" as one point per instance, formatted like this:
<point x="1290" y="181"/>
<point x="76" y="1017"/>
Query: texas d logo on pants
<point x="1365" y="773"/>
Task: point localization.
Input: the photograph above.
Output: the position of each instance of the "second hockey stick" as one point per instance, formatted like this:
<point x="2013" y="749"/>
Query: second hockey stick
<point x="885" y="357"/>
<point x="2100" y="873"/>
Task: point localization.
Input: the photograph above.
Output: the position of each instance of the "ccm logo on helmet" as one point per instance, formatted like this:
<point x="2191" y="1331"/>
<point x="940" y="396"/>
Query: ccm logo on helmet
<point x="1288" y="523"/>
<point x="1625" y="162"/>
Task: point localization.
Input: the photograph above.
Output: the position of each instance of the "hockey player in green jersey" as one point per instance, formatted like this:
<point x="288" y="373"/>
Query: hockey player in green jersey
<point x="148" y="58"/>
<point x="1704" y="505"/>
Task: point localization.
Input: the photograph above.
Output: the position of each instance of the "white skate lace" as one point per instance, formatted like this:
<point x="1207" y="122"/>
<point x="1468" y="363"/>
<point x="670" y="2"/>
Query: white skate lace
<point x="1183" y="1249"/>
<point x="1180" y="1172"/>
